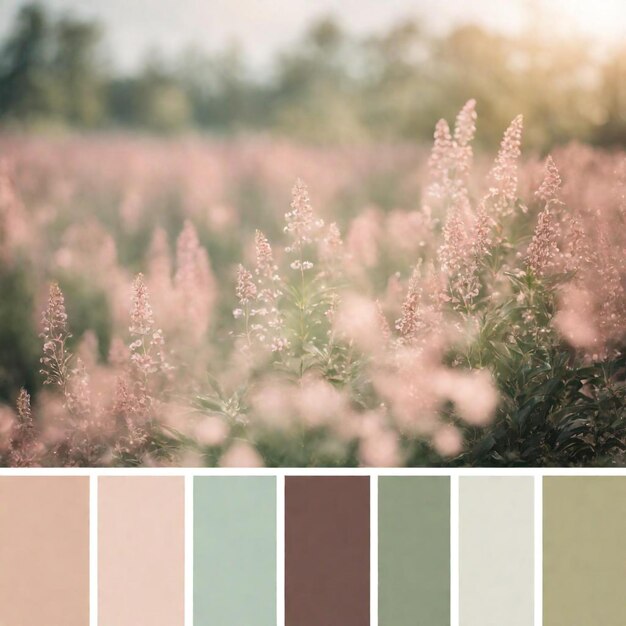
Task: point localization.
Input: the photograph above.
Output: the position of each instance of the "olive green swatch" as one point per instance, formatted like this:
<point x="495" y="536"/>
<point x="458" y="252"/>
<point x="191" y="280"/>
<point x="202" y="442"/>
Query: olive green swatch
<point x="414" y="551"/>
<point x="234" y="551"/>
<point x="584" y="551"/>
<point x="496" y="551"/>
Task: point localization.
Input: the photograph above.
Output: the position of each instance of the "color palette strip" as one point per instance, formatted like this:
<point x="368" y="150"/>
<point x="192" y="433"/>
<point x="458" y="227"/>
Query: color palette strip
<point x="431" y="533"/>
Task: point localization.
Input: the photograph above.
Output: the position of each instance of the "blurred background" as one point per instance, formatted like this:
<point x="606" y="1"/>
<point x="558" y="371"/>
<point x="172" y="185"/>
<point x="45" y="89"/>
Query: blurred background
<point x="351" y="72"/>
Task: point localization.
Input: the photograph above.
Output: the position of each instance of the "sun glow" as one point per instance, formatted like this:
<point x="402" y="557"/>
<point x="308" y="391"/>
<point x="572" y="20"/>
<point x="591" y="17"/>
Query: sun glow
<point x="605" y="21"/>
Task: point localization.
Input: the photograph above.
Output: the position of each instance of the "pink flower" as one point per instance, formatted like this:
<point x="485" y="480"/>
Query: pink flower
<point x="548" y="192"/>
<point x="147" y="354"/>
<point x="503" y="175"/>
<point x="54" y="332"/>
<point x="246" y="289"/>
<point x="543" y="251"/>
<point x="23" y="447"/>
<point x="141" y="316"/>
<point x="301" y="222"/>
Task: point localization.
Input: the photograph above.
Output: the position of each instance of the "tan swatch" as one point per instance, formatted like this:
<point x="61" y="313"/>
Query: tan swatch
<point x="584" y="551"/>
<point x="141" y="551"/>
<point x="44" y="551"/>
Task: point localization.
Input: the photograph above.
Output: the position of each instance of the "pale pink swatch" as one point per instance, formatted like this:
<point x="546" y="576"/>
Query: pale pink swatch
<point x="141" y="551"/>
<point x="44" y="551"/>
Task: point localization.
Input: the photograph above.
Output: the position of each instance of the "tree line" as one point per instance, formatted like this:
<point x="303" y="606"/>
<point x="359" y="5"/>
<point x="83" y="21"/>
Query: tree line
<point x="328" y="86"/>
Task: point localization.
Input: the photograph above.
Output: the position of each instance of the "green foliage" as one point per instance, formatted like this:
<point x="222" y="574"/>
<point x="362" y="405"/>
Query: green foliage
<point x="75" y="70"/>
<point x="50" y="70"/>
<point x="557" y="407"/>
<point x="19" y="344"/>
<point x="88" y="308"/>
<point x="25" y="86"/>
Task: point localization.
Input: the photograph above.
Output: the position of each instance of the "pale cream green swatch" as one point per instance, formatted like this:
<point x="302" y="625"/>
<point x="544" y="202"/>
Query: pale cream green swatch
<point x="496" y="551"/>
<point x="584" y="559"/>
<point x="234" y="551"/>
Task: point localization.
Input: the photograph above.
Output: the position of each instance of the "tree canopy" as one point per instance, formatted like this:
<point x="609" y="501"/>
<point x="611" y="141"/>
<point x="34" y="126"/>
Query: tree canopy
<point x="328" y="86"/>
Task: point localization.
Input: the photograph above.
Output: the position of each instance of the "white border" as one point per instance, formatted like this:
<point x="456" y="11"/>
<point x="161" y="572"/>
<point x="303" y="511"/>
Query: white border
<point x="189" y="519"/>
<point x="351" y="471"/>
<point x="538" y="539"/>
<point x="280" y="550"/>
<point x="454" y="550"/>
<point x="93" y="550"/>
<point x="374" y="550"/>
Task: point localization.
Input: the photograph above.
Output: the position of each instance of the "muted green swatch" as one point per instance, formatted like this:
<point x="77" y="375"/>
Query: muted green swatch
<point x="584" y="558"/>
<point x="414" y="551"/>
<point x="234" y="551"/>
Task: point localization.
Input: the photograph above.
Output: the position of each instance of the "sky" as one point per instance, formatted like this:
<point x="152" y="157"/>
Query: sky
<point x="261" y="27"/>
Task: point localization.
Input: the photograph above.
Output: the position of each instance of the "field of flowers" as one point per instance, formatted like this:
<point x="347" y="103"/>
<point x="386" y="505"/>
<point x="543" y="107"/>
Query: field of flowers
<point x="255" y="302"/>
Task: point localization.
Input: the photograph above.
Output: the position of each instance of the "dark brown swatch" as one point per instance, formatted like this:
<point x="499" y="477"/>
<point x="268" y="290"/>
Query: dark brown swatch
<point x="327" y="551"/>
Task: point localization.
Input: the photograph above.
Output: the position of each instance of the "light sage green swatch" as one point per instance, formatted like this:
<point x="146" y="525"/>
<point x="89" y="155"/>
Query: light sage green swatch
<point x="234" y="551"/>
<point x="584" y="551"/>
<point x="414" y="551"/>
<point x="496" y="551"/>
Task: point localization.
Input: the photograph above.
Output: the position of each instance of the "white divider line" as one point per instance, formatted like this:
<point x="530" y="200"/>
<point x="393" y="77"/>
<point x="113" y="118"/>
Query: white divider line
<point x="188" y="549"/>
<point x="280" y="550"/>
<point x="454" y="550"/>
<point x="93" y="550"/>
<point x="374" y="550"/>
<point x="314" y="471"/>
<point x="538" y="512"/>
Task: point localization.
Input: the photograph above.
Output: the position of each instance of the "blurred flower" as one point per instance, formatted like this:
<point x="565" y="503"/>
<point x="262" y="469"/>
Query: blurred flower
<point x="379" y="445"/>
<point x="448" y="441"/>
<point x="211" y="431"/>
<point x="273" y="403"/>
<point x="363" y="240"/>
<point x="474" y="394"/>
<point x="318" y="402"/>
<point x="358" y="319"/>
<point x="575" y="318"/>
<point x="159" y="262"/>
<point x="194" y="282"/>
<point x="241" y="454"/>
